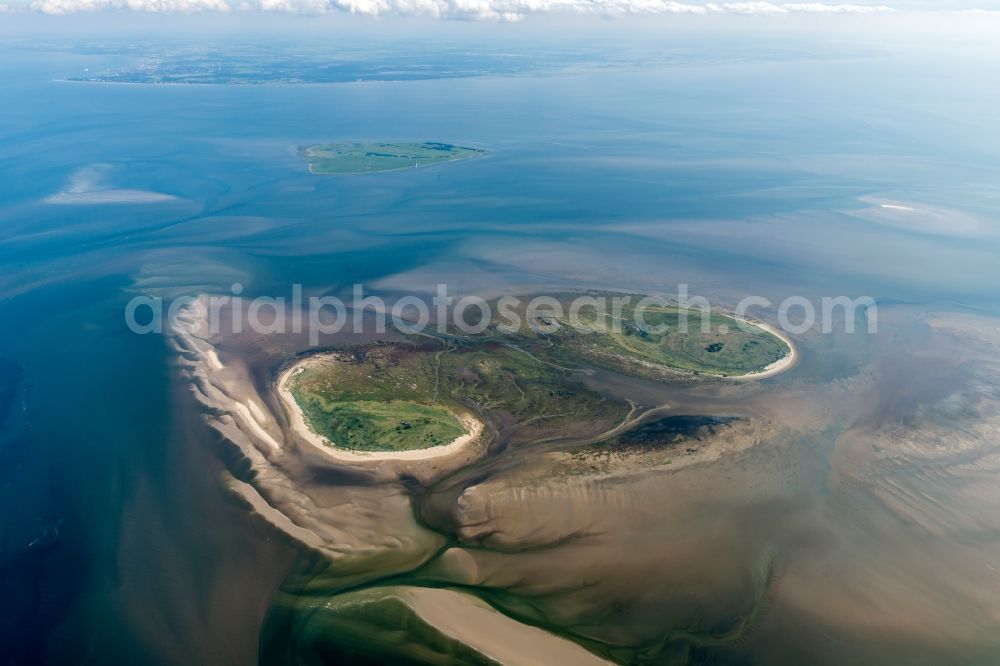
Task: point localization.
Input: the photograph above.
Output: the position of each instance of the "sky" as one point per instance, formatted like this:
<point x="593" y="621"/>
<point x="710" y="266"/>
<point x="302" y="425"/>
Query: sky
<point x="505" y="10"/>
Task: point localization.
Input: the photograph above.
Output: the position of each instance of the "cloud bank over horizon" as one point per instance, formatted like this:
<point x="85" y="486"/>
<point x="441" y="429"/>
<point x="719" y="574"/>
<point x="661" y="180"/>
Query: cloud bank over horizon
<point x="491" y="10"/>
<point x="481" y="9"/>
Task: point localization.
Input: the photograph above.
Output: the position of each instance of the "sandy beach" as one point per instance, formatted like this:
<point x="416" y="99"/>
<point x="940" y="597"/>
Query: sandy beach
<point x="297" y="421"/>
<point x="489" y="632"/>
<point x="781" y="364"/>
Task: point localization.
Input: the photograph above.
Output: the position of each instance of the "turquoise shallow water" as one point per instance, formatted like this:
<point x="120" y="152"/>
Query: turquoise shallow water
<point x="729" y="177"/>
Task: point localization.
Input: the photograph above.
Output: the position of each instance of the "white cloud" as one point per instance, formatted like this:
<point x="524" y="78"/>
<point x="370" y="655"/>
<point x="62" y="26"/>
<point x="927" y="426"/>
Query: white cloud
<point x="152" y="6"/>
<point x="514" y="9"/>
<point x="502" y="10"/>
<point x="772" y="9"/>
<point x="754" y="8"/>
<point x="820" y="8"/>
<point x="492" y="10"/>
<point x="293" y="6"/>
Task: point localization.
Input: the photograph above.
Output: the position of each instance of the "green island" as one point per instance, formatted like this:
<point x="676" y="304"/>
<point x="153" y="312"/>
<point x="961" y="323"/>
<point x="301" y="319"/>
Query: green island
<point x="405" y="396"/>
<point x="358" y="157"/>
<point x="652" y="337"/>
<point x="523" y="374"/>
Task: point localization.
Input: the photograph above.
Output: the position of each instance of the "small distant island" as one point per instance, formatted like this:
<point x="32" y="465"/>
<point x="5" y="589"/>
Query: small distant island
<point x="356" y="157"/>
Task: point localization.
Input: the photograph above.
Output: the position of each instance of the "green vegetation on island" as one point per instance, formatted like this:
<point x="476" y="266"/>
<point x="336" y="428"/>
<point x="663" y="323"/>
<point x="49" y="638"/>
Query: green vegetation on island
<point x="524" y="373"/>
<point x="395" y="425"/>
<point x="356" y="157"/>
<point x="399" y="396"/>
<point x="638" y="340"/>
<point x="632" y="334"/>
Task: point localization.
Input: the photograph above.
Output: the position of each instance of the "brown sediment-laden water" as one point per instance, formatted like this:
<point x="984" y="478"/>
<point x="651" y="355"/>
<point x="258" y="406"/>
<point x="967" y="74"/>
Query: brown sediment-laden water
<point x="847" y="511"/>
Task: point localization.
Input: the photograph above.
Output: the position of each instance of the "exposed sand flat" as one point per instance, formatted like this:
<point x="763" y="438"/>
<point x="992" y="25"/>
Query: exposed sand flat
<point x="476" y="624"/>
<point x="213" y="359"/>
<point x="86" y="187"/>
<point x="336" y="522"/>
<point x="188" y="334"/>
<point x="923" y="218"/>
<point x="111" y="196"/>
<point x="473" y="427"/>
<point x="256" y="410"/>
<point x="248" y="418"/>
<point x="618" y="552"/>
<point x="272" y="515"/>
